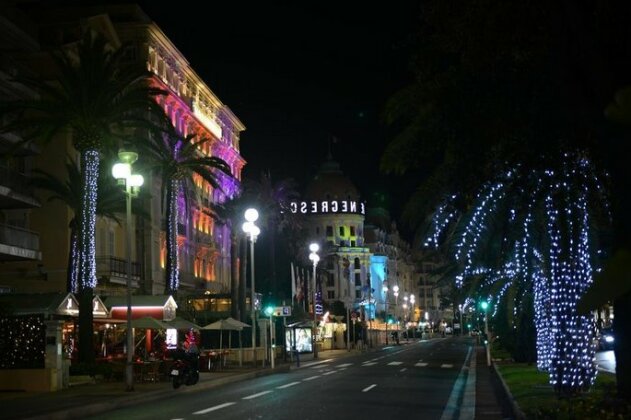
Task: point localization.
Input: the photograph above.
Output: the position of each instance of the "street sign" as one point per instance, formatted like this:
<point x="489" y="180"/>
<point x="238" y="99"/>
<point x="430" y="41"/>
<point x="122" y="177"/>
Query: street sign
<point x="282" y="311"/>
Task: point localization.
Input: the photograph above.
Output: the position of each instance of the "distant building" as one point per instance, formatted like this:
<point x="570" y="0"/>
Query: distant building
<point x="357" y="257"/>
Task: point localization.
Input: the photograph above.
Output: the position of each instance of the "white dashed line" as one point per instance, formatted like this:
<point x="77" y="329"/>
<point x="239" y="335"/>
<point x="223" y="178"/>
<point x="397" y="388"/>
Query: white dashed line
<point x="217" y="407"/>
<point x="344" y="365"/>
<point x="421" y="364"/>
<point x="369" y="363"/>
<point x="311" y="378"/>
<point x="249" y="397"/>
<point x="315" y="364"/>
<point x="446" y="365"/>
<point x="287" y="385"/>
<point x="368" y="388"/>
<point x="328" y="373"/>
<point x="395" y="363"/>
<point x="403" y="370"/>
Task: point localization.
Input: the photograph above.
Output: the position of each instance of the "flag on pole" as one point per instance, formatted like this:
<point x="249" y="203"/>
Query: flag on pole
<point x="293" y="283"/>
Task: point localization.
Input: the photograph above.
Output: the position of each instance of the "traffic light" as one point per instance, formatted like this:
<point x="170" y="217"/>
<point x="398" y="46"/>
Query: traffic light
<point x="484" y="305"/>
<point x="269" y="310"/>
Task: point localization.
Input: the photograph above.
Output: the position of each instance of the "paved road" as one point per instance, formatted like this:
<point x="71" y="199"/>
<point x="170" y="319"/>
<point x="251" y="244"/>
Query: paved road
<point x="412" y="381"/>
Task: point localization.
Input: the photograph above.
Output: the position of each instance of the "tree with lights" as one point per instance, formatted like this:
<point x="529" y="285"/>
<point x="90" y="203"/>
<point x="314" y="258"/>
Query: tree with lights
<point x="510" y="84"/>
<point x="178" y="160"/>
<point x="110" y="203"/>
<point x="98" y="98"/>
<point x="535" y="233"/>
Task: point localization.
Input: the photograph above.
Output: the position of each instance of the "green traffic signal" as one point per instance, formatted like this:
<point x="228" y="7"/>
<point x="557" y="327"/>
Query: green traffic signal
<point x="484" y="305"/>
<point x="269" y="310"/>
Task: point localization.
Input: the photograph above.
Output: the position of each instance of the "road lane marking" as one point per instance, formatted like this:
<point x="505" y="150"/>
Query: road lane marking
<point x="315" y="364"/>
<point x="344" y="365"/>
<point x="403" y="370"/>
<point x="395" y="363"/>
<point x="217" y="407"/>
<point x="249" y="397"/>
<point x="311" y="378"/>
<point x="287" y="385"/>
<point x="328" y="373"/>
<point x="421" y="364"/>
<point x="452" y="407"/>
<point x="369" y="363"/>
<point x="447" y="365"/>
<point x="368" y="388"/>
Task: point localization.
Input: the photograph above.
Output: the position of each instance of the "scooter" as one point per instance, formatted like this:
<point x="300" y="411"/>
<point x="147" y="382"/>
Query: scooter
<point x="184" y="372"/>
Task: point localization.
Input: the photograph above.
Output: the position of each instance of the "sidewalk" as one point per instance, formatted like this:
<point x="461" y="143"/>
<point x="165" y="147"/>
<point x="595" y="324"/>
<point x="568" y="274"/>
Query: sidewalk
<point x="491" y="401"/>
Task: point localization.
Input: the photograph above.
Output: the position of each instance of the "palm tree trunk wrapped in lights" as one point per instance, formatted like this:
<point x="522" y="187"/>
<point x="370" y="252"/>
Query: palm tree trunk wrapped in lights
<point x="172" y="214"/>
<point x="99" y="98"/>
<point x="542" y="226"/>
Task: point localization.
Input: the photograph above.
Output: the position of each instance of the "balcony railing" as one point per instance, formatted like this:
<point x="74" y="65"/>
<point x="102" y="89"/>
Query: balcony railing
<point x="19" y="237"/>
<point x="15" y="180"/>
<point x="114" y="267"/>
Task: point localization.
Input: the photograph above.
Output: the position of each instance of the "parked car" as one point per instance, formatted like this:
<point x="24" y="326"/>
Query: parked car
<point x="606" y="339"/>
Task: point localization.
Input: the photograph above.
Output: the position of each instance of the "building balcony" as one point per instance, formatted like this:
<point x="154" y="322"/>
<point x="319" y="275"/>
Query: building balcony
<point x="18" y="244"/>
<point x="15" y="191"/>
<point x="114" y="270"/>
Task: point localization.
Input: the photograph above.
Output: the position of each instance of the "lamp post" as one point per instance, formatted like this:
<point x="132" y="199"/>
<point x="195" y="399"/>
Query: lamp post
<point x="412" y="301"/>
<point x="252" y="230"/>
<point x="485" y="307"/>
<point x="132" y="182"/>
<point x="395" y="289"/>
<point x="385" y="305"/>
<point x="314" y="257"/>
<point x="270" y="311"/>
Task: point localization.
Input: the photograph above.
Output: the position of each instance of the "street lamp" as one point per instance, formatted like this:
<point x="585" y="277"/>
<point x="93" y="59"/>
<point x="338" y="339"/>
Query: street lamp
<point x="485" y="305"/>
<point x="412" y="301"/>
<point x="252" y="230"/>
<point x="313" y="256"/>
<point x="385" y="305"/>
<point x="132" y="182"/>
<point x="395" y="289"/>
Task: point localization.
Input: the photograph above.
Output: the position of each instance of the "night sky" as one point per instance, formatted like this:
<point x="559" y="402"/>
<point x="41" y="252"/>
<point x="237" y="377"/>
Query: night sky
<point x="298" y="75"/>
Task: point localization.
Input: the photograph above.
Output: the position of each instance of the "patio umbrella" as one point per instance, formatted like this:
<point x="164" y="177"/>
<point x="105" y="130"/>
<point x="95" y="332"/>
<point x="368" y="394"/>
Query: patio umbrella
<point x="222" y="324"/>
<point x="182" y="324"/>
<point x="237" y="323"/>
<point x="148" y="323"/>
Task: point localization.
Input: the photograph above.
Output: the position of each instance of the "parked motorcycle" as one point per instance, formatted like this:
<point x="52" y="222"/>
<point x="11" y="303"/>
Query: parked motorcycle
<point x="184" y="371"/>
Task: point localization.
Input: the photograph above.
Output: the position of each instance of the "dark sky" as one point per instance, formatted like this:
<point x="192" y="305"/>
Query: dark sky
<point x="298" y="74"/>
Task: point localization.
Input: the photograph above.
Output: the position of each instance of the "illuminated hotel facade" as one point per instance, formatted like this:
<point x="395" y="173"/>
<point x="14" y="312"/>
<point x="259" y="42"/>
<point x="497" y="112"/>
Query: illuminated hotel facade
<point x="358" y="258"/>
<point x="204" y="244"/>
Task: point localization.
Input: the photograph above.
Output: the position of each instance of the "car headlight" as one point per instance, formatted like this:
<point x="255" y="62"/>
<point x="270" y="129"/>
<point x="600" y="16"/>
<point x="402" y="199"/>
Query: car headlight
<point x="609" y="338"/>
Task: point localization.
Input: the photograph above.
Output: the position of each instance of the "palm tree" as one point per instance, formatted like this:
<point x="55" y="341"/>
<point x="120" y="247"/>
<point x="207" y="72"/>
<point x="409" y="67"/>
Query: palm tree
<point x="110" y="203"/>
<point x="97" y="98"/>
<point x="177" y="159"/>
<point x="534" y="236"/>
<point x="230" y="214"/>
<point x="273" y="200"/>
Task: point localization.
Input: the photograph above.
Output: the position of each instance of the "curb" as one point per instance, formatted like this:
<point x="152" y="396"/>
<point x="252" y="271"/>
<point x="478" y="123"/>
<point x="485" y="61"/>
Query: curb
<point x="517" y="412"/>
<point x="132" y="399"/>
